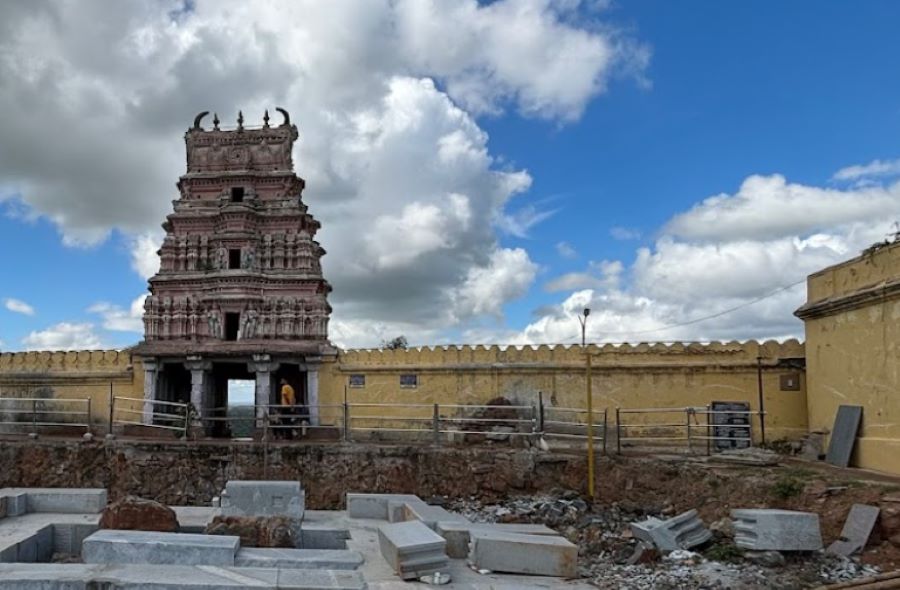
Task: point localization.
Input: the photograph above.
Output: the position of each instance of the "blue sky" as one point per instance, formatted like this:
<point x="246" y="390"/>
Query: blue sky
<point x="698" y="98"/>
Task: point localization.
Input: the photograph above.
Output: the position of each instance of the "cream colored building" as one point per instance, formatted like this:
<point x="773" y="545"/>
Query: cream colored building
<point x="852" y="319"/>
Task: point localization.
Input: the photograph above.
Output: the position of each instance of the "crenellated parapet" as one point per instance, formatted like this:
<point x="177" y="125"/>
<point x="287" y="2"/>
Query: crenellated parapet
<point x="645" y="354"/>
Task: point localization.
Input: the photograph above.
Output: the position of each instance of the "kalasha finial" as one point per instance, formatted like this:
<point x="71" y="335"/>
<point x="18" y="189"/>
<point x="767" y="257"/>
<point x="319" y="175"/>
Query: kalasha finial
<point x="216" y="121"/>
<point x="266" y="119"/>
<point x="240" y="120"/>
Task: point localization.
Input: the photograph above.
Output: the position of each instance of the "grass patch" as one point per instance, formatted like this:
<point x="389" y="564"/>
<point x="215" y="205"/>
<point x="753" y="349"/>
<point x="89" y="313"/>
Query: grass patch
<point x="724" y="552"/>
<point x="787" y="487"/>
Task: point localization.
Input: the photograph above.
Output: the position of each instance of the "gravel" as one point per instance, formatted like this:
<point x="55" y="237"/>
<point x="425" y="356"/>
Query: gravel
<point x="605" y="543"/>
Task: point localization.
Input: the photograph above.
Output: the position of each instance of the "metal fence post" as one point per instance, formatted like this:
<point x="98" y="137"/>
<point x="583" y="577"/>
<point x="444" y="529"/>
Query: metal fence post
<point x="88" y="426"/>
<point x="618" y="433"/>
<point x="436" y="425"/>
<point x="112" y="405"/>
<point x="605" y="412"/>
<point x="346" y="410"/>
<point x="34" y="416"/>
<point x="541" y="411"/>
<point x="709" y="430"/>
<point x="687" y="412"/>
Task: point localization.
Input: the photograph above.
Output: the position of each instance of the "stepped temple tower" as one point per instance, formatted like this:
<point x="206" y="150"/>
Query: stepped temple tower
<point x="239" y="293"/>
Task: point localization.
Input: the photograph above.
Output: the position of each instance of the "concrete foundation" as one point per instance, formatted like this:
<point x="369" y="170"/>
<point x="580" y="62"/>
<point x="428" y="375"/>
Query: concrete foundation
<point x="173" y="577"/>
<point x="57" y="500"/>
<point x="143" y="547"/>
<point x="374" y="505"/>
<point x="524" y="554"/>
<point x="777" y="530"/>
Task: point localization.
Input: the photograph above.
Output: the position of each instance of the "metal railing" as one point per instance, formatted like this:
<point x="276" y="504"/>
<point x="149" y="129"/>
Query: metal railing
<point x="155" y="414"/>
<point x="32" y="414"/>
<point x="572" y="424"/>
<point x="666" y="425"/>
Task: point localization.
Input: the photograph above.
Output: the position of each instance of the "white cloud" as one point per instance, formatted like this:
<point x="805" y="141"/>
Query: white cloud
<point x="63" y="336"/>
<point x="144" y="257"/>
<point x="600" y="275"/>
<point x="768" y="207"/>
<point x="384" y="93"/>
<point x="624" y="233"/>
<point x="18" y="306"/>
<point x="486" y="289"/>
<point x="875" y="168"/>
<point x="120" y="320"/>
<point x="565" y="250"/>
<point x="735" y="278"/>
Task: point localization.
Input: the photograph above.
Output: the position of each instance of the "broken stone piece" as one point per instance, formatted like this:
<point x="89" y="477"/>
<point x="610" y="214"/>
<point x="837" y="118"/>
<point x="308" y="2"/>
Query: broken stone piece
<point x="679" y="532"/>
<point x="139" y="514"/>
<point x="778" y="530"/>
<point x="856" y="531"/>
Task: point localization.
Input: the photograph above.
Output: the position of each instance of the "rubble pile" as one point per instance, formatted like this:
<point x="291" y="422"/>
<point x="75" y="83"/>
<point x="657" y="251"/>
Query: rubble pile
<point x="611" y="557"/>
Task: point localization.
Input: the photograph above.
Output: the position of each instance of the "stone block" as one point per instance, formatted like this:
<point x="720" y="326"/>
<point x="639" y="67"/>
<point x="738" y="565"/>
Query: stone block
<point x="776" y="530"/>
<point x="66" y="500"/>
<point x="322" y="536"/>
<point x="856" y="531"/>
<point x="457" y="533"/>
<point x="412" y="549"/>
<point x="36" y="548"/>
<point x="263" y="498"/>
<point x="144" y="547"/>
<point x="843" y="435"/>
<point x="680" y="532"/>
<point x="374" y="506"/>
<point x="16" y="502"/>
<point x="320" y="559"/>
<point x="524" y="554"/>
<point x="68" y="537"/>
<point x="430" y="515"/>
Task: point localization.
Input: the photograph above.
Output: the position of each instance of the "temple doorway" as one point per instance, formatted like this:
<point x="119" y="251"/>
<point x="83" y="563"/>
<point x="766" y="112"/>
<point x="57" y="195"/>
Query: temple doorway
<point x="233" y="387"/>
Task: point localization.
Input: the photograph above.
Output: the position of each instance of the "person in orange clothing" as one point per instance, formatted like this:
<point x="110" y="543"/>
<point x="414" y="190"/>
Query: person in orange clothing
<point x="288" y="400"/>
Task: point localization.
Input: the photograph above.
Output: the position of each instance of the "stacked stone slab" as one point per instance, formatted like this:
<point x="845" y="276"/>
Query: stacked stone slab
<point x="263" y="498"/>
<point x="148" y="547"/>
<point x="523" y="554"/>
<point x="457" y="534"/>
<point x="776" y="530"/>
<point x="680" y="532"/>
<point x="412" y="549"/>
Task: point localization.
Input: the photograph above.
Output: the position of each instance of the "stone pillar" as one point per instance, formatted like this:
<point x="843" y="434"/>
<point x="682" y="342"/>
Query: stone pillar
<point x="312" y="391"/>
<point x="199" y="384"/>
<point x="151" y="373"/>
<point x="263" y="367"/>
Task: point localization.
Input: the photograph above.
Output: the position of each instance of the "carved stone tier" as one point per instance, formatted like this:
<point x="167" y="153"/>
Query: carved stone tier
<point x="240" y="267"/>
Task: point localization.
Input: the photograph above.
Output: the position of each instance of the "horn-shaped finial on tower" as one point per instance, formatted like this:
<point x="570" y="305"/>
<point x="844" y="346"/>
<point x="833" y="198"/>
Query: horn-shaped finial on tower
<point x="284" y="113"/>
<point x="216" y="121"/>
<point x="199" y="118"/>
<point x="266" y="119"/>
<point x="240" y="120"/>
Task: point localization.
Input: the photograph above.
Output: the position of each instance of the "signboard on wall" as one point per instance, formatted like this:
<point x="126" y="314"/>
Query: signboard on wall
<point x="731" y="430"/>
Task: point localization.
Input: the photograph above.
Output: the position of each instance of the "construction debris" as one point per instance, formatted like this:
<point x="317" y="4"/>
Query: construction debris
<point x="681" y="532"/>
<point x="778" y="530"/>
<point x="856" y="531"/>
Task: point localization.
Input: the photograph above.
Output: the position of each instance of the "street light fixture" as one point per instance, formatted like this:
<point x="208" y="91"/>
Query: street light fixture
<point x="582" y="319"/>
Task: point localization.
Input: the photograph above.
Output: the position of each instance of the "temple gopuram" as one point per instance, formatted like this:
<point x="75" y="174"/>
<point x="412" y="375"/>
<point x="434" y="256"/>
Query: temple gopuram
<point x="240" y="292"/>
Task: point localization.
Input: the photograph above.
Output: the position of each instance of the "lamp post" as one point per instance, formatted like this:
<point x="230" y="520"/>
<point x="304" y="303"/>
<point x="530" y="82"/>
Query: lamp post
<point x="582" y="319"/>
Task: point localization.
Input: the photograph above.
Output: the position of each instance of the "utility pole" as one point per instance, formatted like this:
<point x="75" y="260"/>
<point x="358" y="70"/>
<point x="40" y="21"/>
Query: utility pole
<point x="589" y="398"/>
